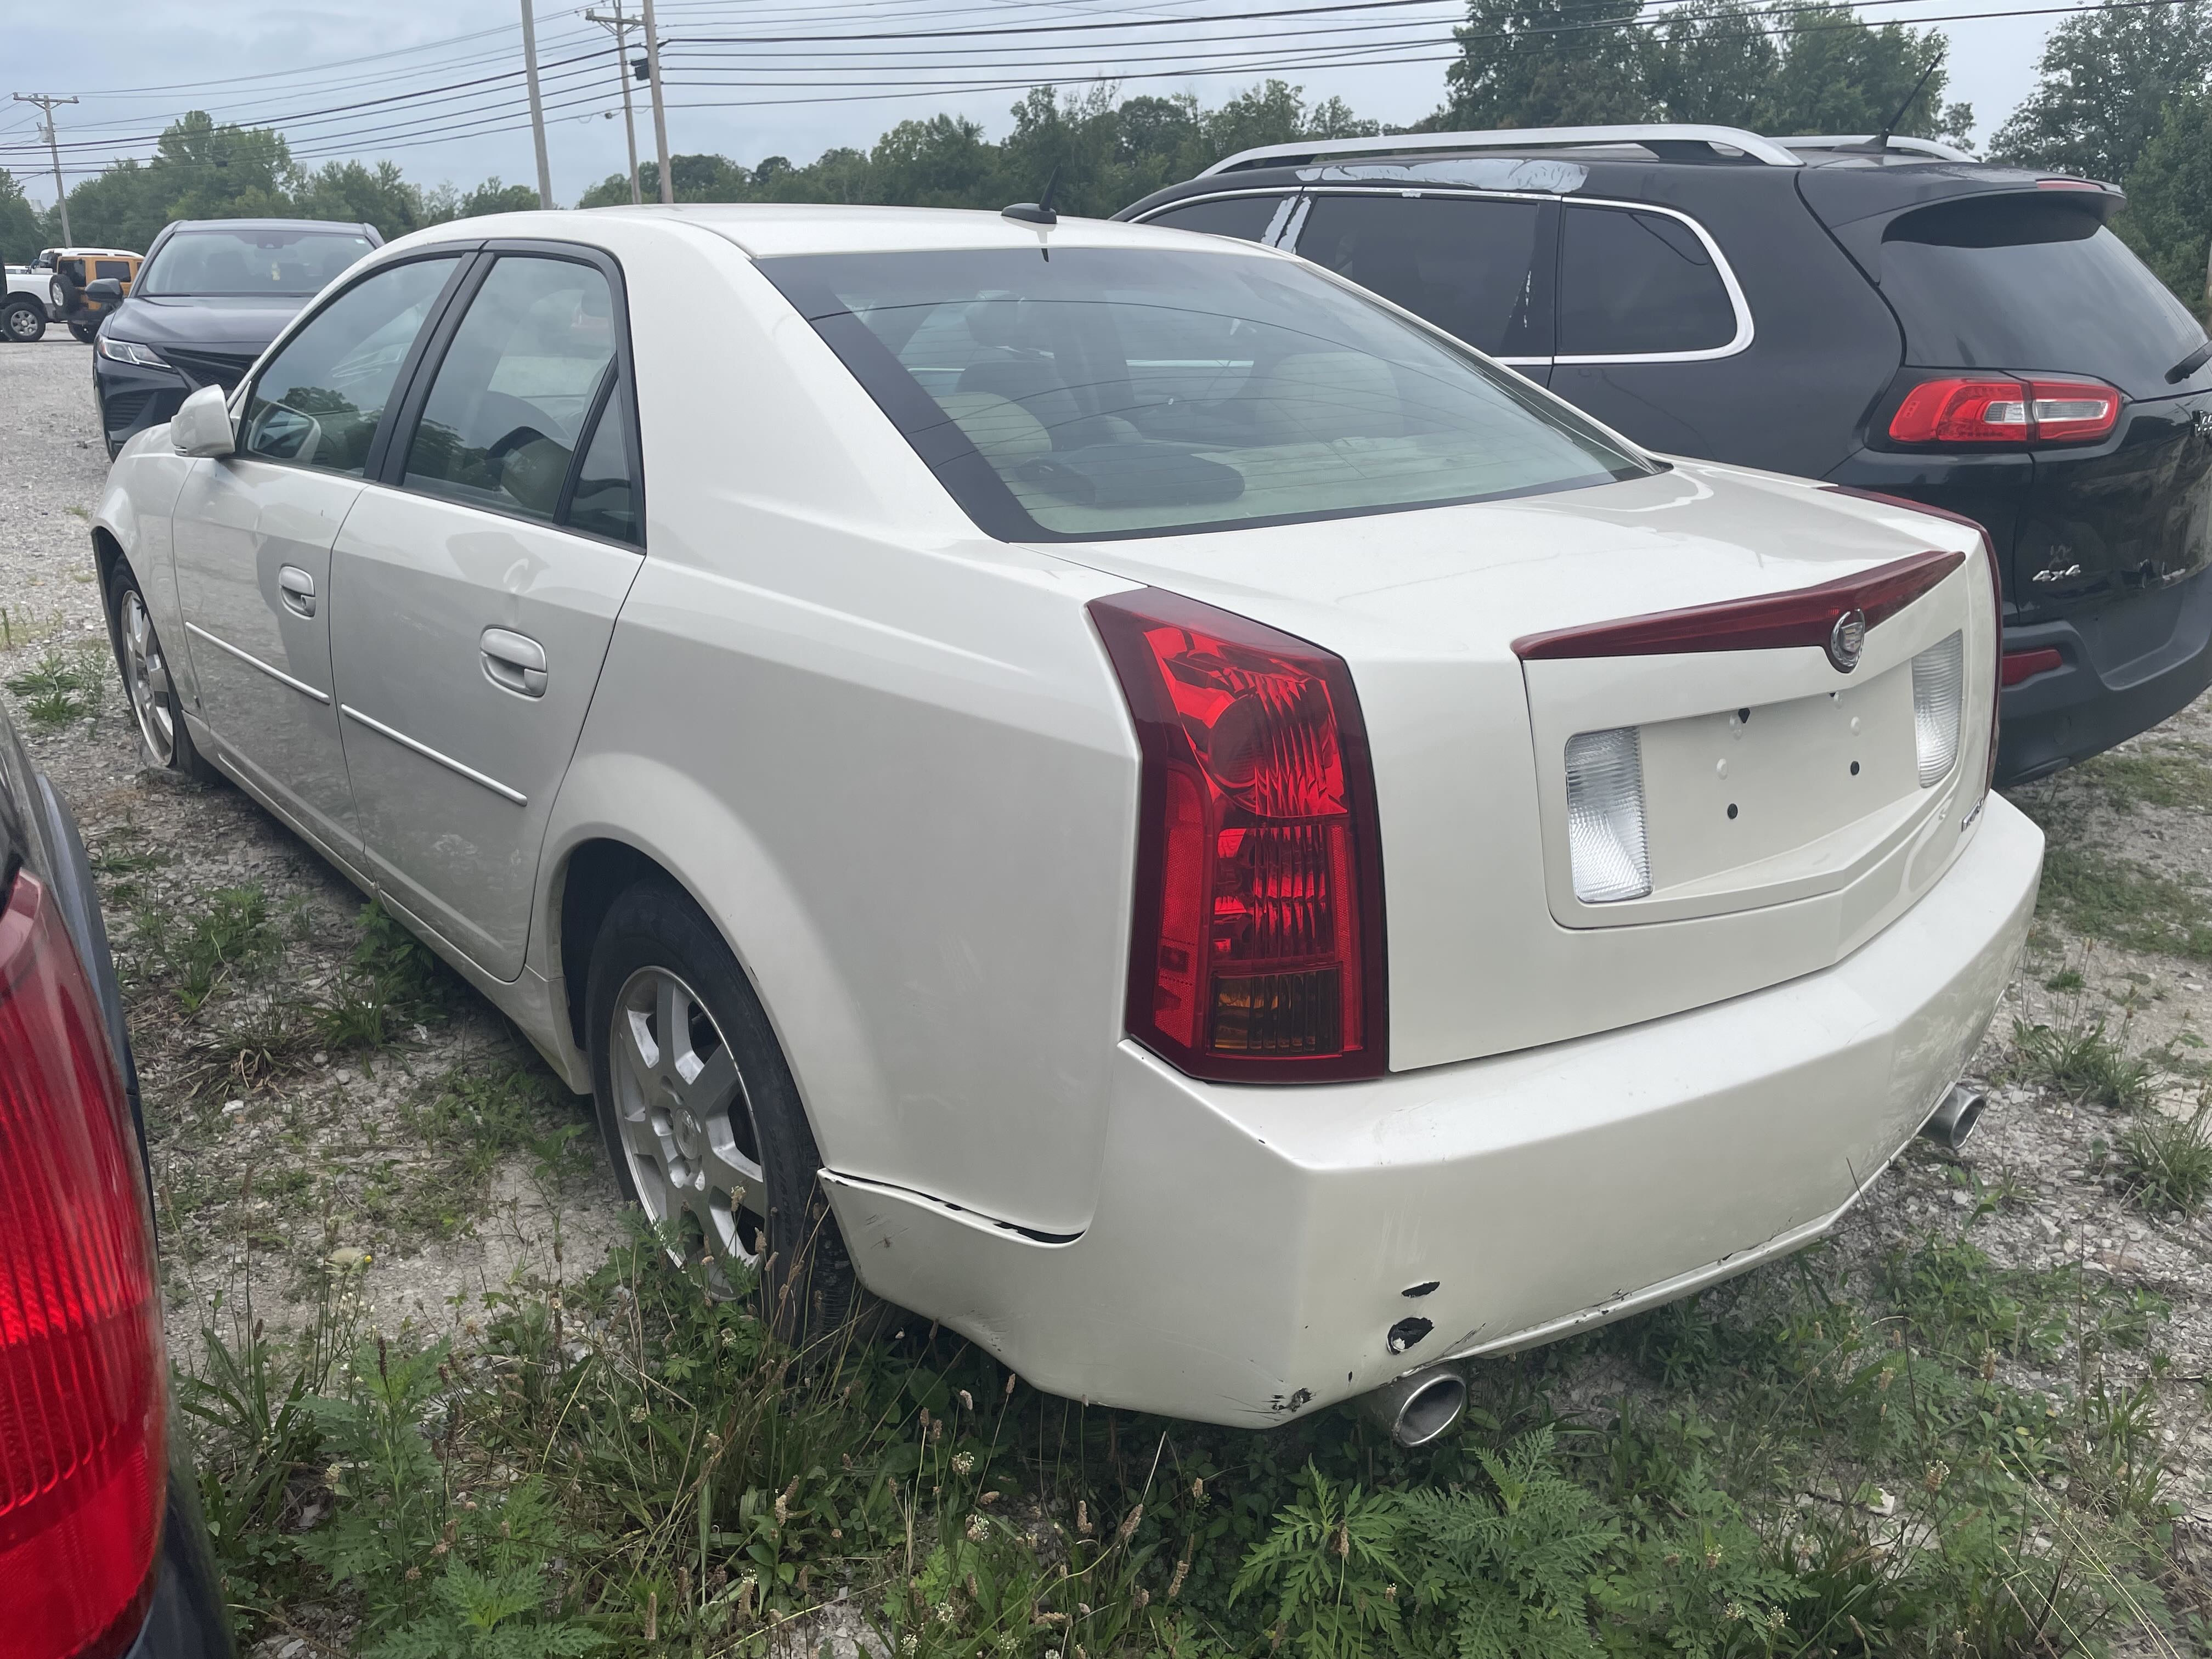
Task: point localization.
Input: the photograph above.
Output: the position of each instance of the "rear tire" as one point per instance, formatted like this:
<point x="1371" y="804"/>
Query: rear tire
<point x="164" y="740"/>
<point x="701" y="1117"/>
<point x="23" y="321"/>
<point x="85" y="332"/>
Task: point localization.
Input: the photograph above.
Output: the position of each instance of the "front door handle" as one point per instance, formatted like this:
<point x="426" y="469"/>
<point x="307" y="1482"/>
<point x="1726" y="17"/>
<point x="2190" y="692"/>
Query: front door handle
<point x="514" y="662"/>
<point x="298" y="588"/>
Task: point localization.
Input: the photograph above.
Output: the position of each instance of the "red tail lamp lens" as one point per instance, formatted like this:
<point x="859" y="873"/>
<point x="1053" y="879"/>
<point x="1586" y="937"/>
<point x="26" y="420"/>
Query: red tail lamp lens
<point x="83" y="1448"/>
<point x="1257" y="954"/>
<point x="1960" y="410"/>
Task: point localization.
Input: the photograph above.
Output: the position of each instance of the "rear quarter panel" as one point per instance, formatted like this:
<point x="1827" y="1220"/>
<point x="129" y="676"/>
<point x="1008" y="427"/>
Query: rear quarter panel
<point x="885" y="755"/>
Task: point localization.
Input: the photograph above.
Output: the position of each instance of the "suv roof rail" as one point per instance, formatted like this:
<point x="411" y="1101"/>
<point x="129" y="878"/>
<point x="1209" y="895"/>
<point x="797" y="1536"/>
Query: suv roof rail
<point x="1757" y="148"/>
<point x="1853" y="141"/>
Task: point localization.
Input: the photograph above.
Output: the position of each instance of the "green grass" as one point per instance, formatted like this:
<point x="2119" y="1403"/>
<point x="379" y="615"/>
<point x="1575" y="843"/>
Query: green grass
<point x="392" y="983"/>
<point x="2083" y="1062"/>
<point x="2166" y="774"/>
<point x="623" y="1465"/>
<point x="2124" y="902"/>
<point x="2165" y="1163"/>
<point x="57" y="692"/>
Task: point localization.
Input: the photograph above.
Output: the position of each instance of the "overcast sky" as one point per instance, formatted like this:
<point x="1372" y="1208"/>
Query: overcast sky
<point x="432" y="84"/>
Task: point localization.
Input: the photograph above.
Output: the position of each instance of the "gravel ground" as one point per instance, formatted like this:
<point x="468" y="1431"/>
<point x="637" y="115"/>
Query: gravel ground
<point x="273" y="1150"/>
<point x="272" y="1155"/>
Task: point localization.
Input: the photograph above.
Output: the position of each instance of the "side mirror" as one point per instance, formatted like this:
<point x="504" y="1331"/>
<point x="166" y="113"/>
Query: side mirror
<point x="108" y="291"/>
<point x="201" y="425"/>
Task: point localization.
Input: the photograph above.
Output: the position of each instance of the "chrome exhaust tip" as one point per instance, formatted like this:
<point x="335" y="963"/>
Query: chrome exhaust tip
<point x="1418" y="1409"/>
<point x="1952" y="1124"/>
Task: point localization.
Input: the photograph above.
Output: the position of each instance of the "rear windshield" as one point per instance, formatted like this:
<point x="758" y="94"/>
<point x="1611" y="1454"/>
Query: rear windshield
<point x="1111" y="392"/>
<point x="295" y="262"/>
<point x="2028" y="282"/>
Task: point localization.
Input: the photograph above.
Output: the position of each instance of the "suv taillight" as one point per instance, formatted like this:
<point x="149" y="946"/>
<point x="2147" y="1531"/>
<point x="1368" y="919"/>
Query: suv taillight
<point x="1257" y="948"/>
<point x="1986" y="410"/>
<point x="82" y="1398"/>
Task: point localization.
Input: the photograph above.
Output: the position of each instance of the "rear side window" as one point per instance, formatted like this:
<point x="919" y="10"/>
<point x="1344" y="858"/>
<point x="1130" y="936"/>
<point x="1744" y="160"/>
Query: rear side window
<point x="119" y="269"/>
<point x="1632" y="284"/>
<point x="1470" y="266"/>
<point x="517" y="384"/>
<point x="1245" y="217"/>
<point x="2028" y="282"/>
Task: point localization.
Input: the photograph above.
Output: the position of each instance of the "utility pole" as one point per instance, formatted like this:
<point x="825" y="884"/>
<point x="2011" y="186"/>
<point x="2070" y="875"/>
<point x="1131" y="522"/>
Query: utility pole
<point x="537" y="107"/>
<point x="54" y="152"/>
<point x="660" y="107"/>
<point x="620" y="26"/>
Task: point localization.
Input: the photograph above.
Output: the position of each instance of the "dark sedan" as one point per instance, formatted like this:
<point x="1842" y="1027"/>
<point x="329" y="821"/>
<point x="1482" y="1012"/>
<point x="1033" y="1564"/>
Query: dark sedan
<point x="212" y="294"/>
<point x="102" y="1551"/>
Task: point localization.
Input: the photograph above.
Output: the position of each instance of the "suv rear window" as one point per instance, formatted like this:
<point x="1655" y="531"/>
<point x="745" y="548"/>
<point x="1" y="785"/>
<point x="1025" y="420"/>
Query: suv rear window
<point x="2029" y="283"/>
<point x="1108" y="392"/>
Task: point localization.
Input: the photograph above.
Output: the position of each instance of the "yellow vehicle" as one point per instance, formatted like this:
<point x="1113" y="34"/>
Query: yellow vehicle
<point x="74" y="270"/>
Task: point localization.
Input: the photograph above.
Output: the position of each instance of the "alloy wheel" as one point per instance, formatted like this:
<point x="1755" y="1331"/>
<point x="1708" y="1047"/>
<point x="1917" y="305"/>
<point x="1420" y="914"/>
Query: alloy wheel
<point x="687" y="1125"/>
<point x="146" y="679"/>
<point x="23" y="323"/>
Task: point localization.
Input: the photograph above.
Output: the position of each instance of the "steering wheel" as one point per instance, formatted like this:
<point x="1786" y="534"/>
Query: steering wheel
<point x="515" y="439"/>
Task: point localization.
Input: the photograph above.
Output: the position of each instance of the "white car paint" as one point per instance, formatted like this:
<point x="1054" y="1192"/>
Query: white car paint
<point x="889" y="756"/>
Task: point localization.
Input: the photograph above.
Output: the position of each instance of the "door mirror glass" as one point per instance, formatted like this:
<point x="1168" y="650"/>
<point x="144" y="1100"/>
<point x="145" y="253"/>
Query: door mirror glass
<point x="318" y="401"/>
<point x="201" y="425"/>
<point x="518" y="383"/>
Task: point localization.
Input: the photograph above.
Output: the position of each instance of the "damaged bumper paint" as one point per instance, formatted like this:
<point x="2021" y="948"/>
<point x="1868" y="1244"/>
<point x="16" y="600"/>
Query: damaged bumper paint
<point x="1259" y="1251"/>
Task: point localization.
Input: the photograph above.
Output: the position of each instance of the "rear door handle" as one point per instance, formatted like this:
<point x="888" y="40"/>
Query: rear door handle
<point x="298" y="588"/>
<point x="514" y="662"/>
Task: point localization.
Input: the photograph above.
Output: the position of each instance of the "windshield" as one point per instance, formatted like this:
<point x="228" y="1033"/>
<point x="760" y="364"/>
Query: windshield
<point x="1110" y="392"/>
<point x="279" y="262"/>
<point x="2032" y="282"/>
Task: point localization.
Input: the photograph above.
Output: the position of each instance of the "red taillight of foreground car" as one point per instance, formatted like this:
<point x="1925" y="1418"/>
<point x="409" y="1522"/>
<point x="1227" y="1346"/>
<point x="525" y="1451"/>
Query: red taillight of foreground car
<point x="1257" y="953"/>
<point x="1982" y="410"/>
<point x="82" y="1451"/>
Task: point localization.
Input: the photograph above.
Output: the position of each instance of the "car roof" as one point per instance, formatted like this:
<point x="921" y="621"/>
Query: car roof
<point x="176" y="225"/>
<point x="769" y="230"/>
<point x="91" y="252"/>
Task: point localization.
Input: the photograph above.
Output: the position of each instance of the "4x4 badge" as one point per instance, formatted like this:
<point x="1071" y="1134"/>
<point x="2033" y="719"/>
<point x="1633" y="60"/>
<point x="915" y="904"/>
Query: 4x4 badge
<point x="1846" y="639"/>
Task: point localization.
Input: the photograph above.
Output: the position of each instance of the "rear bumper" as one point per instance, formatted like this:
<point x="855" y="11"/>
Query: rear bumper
<point x="1256" y="1252"/>
<point x="187" y="1619"/>
<point x="2139" y="660"/>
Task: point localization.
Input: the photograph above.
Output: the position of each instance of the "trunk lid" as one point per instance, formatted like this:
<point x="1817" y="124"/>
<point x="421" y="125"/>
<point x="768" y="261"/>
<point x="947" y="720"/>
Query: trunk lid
<point x="1489" y="945"/>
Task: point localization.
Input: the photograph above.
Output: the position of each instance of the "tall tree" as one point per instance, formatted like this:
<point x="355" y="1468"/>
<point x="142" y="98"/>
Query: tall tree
<point x="1546" y="63"/>
<point x="19" y="234"/>
<point x="2169" y="214"/>
<point x="1839" y="75"/>
<point x="1716" y="60"/>
<point x="2105" y="79"/>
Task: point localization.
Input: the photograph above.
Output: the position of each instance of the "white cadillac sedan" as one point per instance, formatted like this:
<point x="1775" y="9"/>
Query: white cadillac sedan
<point x="1101" y="784"/>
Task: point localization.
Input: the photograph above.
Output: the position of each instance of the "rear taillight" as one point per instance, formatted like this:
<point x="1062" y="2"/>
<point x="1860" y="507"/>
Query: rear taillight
<point x="1257" y="948"/>
<point x="83" y="1443"/>
<point x="2021" y="666"/>
<point x="1939" y="691"/>
<point x="1609" y="855"/>
<point x="1983" y="410"/>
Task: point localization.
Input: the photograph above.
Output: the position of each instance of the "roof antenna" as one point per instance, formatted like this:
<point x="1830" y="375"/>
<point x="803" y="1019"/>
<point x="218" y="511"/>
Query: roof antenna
<point x="1881" y="139"/>
<point x="1038" y="212"/>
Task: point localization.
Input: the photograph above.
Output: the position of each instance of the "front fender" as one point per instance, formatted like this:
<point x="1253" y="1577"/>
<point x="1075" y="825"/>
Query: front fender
<point x="138" y="511"/>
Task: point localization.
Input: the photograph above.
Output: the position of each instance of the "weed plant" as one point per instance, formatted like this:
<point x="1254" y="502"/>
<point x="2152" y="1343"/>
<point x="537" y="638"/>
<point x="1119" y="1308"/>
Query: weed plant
<point x="57" y="692"/>
<point x="2084" y="1062"/>
<point x="2165" y="1163"/>
<point x="1801" y="1464"/>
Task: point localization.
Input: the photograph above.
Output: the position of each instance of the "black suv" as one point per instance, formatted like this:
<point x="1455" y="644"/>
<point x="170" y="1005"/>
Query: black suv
<point x="210" y="296"/>
<point x="1898" y="318"/>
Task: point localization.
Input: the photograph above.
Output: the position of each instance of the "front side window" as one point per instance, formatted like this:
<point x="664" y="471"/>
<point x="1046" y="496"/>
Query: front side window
<point x="319" y="401"/>
<point x="280" y="261"/>
<point x="518" y="383"/>
<point x="1108" y="392"/>
<point x="1473" y="267"/>
<point x="1632" y="284"/>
